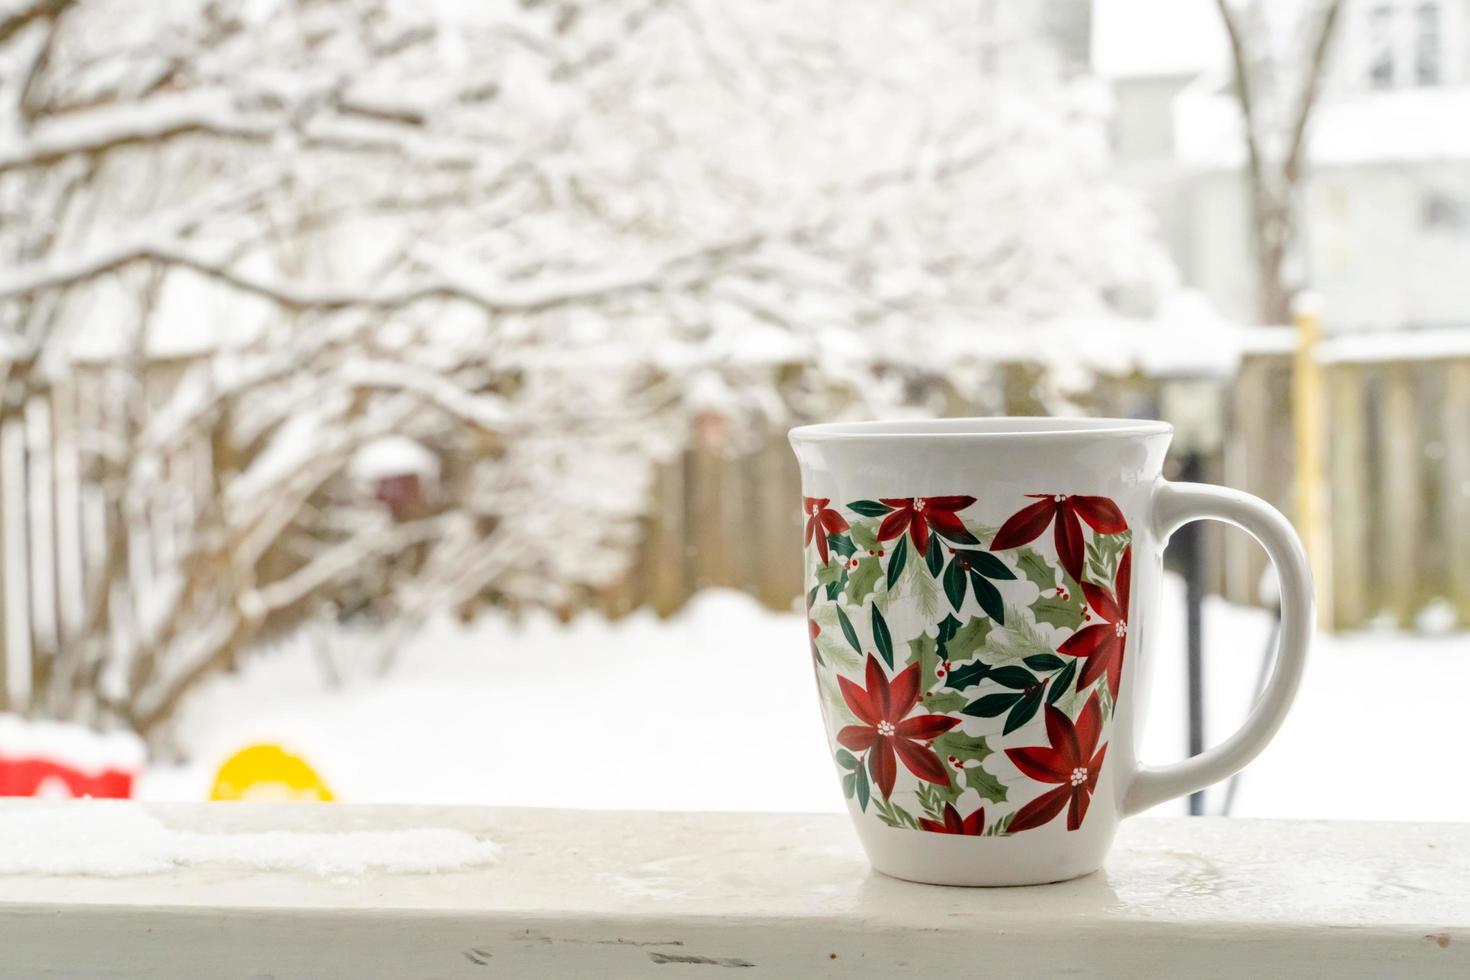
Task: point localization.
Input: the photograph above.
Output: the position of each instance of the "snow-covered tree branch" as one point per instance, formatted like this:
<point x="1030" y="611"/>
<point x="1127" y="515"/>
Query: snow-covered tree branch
<point x="521" y="242"/>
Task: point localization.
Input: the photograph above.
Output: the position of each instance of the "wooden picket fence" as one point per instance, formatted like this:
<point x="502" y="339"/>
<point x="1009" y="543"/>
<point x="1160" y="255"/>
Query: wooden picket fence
<point x="1398" y="495"/>
<point x="1398" y="436"/>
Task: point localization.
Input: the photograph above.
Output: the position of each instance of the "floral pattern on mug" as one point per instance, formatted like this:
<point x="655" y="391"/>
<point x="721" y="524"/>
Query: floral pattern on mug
<point x="968" y="669"/>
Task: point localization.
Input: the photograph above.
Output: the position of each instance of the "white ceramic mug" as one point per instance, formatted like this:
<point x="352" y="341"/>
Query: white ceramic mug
<point x="981" y="597"/>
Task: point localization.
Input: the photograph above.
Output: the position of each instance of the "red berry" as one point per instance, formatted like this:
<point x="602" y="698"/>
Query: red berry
<point x="880" y="552"/>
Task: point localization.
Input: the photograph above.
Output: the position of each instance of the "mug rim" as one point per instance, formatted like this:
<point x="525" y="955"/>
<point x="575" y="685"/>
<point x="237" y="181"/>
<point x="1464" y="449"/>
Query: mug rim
<point x="1000" y="428"/>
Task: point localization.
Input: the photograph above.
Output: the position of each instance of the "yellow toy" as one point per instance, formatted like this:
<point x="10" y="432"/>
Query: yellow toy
<point x="268" y="773"/>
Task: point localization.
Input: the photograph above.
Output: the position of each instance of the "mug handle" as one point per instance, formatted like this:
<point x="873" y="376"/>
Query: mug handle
<point x="1176" y="504"/>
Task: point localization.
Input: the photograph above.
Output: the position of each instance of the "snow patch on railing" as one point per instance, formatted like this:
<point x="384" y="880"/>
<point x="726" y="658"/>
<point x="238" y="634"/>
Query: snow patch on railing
<point x="113" y="841"/>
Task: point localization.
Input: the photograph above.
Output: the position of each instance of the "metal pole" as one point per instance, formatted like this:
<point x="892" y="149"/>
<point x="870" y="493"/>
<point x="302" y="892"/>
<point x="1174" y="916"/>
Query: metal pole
<point x="1188" y="544"/>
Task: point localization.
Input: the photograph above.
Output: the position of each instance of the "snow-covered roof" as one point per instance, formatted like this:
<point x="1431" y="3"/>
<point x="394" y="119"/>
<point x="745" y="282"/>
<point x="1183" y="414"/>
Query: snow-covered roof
<point x="1153" y="38"/>
<point x="1396" y="345"/>
<point x="1349" y="129"/>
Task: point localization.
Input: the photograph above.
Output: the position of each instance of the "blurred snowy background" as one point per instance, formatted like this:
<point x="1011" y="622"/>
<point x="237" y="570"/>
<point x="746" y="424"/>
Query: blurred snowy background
<point x="372" y="367"/>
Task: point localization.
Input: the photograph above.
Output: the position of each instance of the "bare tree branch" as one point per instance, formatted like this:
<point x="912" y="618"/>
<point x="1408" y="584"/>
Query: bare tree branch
<point x="26" y="16"/>
<point x="675" y="271"/>
<point x="1275" y="183"/>
<point x="1307" y="99"/>
<point x="1244" y="91"/>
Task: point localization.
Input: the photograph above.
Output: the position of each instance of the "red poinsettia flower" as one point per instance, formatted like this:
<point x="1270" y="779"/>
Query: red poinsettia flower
<point x="821" y="521"/>
<point x="887" y="730"/>
<point x="1026" y="525"/>
<point x="1069" y="760"/>
<point x="971" y="826"/>
<point x="1102" y="643"/>
<point x="920" y="515"/>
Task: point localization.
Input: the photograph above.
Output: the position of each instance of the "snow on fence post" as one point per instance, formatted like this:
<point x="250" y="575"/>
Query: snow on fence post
<point x="1347" y="605"/>
<point x="665" y="587"/>
<point x="1456" y="429"/>
<point x="1402" y="543"/>
<point x="777" y="495"/>
<point x="1309" y="424"/>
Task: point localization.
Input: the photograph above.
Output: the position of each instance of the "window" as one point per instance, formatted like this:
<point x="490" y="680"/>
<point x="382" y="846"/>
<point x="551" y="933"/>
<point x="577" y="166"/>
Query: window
<point x="1406" y="44"/>
<point x="1446" y="212"/>
<point x="1427" y="44"/>
<point x="1380" y="38"/>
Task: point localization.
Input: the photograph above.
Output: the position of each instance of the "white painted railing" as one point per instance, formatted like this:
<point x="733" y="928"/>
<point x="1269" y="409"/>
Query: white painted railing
<point x="333" y="891"/>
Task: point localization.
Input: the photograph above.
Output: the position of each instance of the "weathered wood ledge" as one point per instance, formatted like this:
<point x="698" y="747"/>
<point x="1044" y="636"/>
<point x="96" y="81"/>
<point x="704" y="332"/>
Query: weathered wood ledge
<point x="613" y="894"/>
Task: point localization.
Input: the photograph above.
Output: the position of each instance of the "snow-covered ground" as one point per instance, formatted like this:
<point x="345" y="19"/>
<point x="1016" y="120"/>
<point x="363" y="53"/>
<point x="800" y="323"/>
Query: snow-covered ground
<point x="716" y="709"/>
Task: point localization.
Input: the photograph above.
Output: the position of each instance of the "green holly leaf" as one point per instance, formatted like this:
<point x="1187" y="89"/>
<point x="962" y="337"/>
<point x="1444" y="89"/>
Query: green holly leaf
<point x="985" y="784"/>
<point x="846" y="759"/>
<point x="1015" y="678"/>
<point x="1034" y="567"/>
<point x="830" y="572"/>
<point x="923" y="651"/>
<point x="966" y="748"/>
<point x="954" y="585"/>
<point x="934" y="556"/>
<point x="896" y="561"/>
<point x="992" y="705"/>
<point x="989" y="598"/>
<point x="943" y="703"/>
<point x="841" y="544"/>
<point x="967" y="639"/>
<point x="1061" y="682"/>
<point x="835" y="588"/>
<point x="1062" y="613"/>
<point x="864" y="535"/>
<point x="966" y="675"/>
<point x="1024" y="710"/>
<point x="882" y="639"/>
<point x="869" y="508"/>
<point x="989" y="565"/>
<point x="848" y="631"/>
<point x="948" y="627"/>
<point x="958" y="537"/>
<point x="849" y="785"/>
<point x="862" y="580"/>
<point x="860" y="775"/>
<point x="1045" y="662"/>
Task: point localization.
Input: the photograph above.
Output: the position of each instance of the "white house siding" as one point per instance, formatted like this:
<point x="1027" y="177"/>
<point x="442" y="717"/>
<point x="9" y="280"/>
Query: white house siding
<point x="1378" y="256"/>
<point x="1386" y="219"/>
